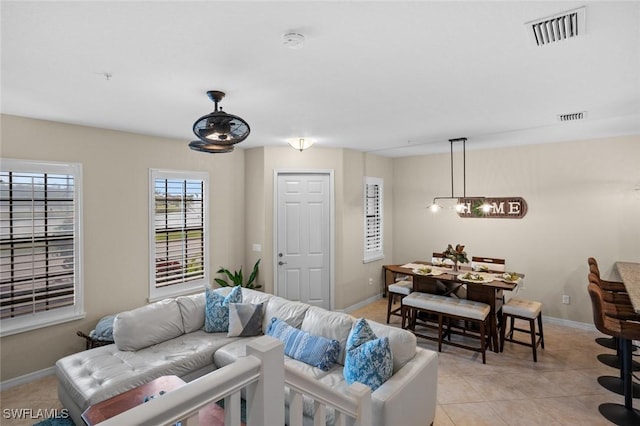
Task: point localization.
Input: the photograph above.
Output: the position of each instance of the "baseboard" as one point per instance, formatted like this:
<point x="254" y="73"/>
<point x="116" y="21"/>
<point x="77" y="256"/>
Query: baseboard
<point x="360" y="304"/>
<point x="27" y="378"/>
<point x="569" y="323"/>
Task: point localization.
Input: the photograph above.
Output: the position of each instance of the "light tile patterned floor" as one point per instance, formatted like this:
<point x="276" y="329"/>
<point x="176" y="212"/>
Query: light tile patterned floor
<point x="560" y="389"/>
<point x="510" y="389"/>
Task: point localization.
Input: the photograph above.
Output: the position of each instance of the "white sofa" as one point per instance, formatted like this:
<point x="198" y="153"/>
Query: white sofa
<point x="167" y="337"/>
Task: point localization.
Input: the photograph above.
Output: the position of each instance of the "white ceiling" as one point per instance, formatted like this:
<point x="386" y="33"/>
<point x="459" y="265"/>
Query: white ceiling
<point x="395" y="78"/>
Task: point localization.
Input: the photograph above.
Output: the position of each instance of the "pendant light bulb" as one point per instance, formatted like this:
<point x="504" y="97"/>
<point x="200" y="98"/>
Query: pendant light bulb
<point x="434" y="208"/>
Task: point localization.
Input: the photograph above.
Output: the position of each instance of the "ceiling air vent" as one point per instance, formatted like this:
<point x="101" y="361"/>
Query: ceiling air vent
<point x="558" y="27"/>
<point x="575" y="116"/>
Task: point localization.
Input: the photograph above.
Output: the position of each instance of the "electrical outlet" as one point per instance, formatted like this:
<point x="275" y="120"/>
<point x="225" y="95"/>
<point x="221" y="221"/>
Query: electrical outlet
<point x="566" y="299"/>
<point x="370" y="281"/>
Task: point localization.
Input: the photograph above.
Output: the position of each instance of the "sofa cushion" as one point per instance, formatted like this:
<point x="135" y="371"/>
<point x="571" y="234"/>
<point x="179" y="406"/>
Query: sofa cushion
<point x="332" y="325"/>
<point x="255" y="296"/>
<point x="147" y="325"/>
<point x="369" y="359"/>
<point x="290" y="312"/>
<point x="245" y="319"/>
<point x="403" y="343"/>
<point x="192" y="311"/>
<point x="97" y="374"/>
<point x="313" y="350"/>
<point x="216" y="318"/>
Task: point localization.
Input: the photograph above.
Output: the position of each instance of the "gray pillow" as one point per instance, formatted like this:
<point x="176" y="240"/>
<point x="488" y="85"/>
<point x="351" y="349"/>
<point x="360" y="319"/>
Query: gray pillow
<point x="245" y="319"/>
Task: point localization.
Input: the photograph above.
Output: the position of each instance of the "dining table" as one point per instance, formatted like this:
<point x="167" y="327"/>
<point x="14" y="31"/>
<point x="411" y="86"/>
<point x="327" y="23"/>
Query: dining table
<point x="490" y="290"/>
<point x="630" y="274"/>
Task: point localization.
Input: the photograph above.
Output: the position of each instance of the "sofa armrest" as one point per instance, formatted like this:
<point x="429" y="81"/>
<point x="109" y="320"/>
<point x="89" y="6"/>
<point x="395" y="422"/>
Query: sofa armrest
<point x="409" y="397"/>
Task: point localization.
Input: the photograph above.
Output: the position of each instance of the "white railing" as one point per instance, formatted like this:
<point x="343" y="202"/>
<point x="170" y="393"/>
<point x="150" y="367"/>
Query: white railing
<point x="356" y="404"/>
<point x="260" y="373"/>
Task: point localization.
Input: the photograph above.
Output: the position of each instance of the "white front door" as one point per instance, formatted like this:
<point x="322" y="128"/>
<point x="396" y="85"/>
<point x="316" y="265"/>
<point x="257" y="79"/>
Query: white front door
<point x="303" y="246"/>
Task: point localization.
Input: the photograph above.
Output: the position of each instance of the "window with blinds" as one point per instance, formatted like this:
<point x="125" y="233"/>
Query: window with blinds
<point x="179" y="232"/>
<point x="373" y="225"/>
<point x="39" y="236"/>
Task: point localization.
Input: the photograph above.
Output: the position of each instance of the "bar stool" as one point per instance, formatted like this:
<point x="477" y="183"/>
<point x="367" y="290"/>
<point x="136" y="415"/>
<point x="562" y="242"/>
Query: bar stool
<point x="620" y="307"/>
<point x="527" y="310"/>
<point x="607" y="342"/>
<point x="399" y="289"/>
<point x="626" y="331"/>
<point x="616" y="306"/>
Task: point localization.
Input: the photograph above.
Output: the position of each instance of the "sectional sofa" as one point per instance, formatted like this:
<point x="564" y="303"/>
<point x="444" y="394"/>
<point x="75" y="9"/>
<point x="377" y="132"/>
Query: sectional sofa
<point x="167" y="338"/>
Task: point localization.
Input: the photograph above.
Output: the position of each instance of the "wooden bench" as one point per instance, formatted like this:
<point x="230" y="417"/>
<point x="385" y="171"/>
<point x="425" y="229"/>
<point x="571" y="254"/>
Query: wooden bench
<point x="441" y="308"/>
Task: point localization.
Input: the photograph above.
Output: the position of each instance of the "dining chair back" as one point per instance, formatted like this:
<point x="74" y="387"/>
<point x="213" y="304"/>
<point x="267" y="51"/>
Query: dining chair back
<point x="491" y="263"/>
<point x="439" y="259"/>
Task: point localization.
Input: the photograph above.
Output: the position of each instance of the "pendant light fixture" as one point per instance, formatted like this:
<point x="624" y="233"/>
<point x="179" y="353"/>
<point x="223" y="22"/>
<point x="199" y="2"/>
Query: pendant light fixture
<point x="434" y="206"/>
<point x="218" y="131"/>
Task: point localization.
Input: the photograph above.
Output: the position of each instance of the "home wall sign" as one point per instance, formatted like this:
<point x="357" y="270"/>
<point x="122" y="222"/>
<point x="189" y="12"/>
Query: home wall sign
<point x="500" y="208"/>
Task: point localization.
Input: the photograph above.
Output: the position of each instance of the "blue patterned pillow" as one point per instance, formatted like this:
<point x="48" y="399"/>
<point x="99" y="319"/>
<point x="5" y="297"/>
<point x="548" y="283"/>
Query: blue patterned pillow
<point x="313" y="350"/>
<point x="216" y="310"/>
<point x="369" y="359"/>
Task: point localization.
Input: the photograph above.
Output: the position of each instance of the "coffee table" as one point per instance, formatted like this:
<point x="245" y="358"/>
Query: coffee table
<point x="212" y="414"/>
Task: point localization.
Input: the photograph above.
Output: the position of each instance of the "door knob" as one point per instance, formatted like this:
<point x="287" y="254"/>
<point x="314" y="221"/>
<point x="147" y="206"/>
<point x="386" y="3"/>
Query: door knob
<point x="281" y="263"/>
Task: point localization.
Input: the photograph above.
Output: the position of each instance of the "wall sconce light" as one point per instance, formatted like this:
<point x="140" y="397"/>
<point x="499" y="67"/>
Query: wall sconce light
<point x="300" y="143"/>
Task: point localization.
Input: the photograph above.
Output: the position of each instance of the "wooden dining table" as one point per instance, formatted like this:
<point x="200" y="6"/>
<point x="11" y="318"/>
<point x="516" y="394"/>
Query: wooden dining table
<point x="490" y="293"/>
<point x="630" y="274"/>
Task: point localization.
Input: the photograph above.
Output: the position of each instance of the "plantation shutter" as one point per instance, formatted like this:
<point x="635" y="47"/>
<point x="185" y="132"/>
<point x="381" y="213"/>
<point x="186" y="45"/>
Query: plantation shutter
<point x="179" y="230"/>
<point x="373" y="242"/>
<point x="39" y="223"/>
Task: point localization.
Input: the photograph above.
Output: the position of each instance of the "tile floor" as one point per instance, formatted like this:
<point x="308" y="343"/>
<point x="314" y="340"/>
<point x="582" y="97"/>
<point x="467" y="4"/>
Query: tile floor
<point x="560" y="389"/>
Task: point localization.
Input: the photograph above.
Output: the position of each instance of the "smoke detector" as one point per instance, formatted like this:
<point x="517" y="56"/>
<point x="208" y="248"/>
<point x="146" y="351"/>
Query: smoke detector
<point x="293" y="40"/>
<point x="561" y="26"/>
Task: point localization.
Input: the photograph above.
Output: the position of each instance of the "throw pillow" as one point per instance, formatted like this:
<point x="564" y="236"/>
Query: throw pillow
<point x="317" y="351"/>
<point x="104" y="329"/>
<point x="369" y="359"/>
<point x="245" y="319"/>
<point x="216" y="318"/>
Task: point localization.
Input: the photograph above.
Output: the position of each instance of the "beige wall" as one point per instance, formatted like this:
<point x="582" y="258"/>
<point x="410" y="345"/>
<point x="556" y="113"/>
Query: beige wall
<point x="351" y="277"/>
<point x="115" y="179"/>
<point x="583" y="201"/>
<point x="583" y="198"/>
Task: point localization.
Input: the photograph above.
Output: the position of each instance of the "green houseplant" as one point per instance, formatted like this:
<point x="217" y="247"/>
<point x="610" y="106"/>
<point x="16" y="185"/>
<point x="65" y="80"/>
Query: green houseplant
<point x="236" y="278"/>
<point x="456" y="255"/>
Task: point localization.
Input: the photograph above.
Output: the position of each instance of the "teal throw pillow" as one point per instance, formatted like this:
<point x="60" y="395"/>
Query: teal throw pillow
<point x="245" y="319"/>
<point x="369" y="359"/>
<point x="216" y="310"/>
<point x="317" y="351"/>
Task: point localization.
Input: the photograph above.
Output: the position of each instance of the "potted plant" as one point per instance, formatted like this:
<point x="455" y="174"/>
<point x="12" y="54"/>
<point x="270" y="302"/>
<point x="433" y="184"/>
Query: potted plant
<point x="456" y="255"/>
<point x="236" y="278"/>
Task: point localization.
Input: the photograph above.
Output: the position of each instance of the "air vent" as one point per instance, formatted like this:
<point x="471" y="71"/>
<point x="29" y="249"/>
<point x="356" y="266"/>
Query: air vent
<point x="575" y="116"/>
<point x="558" y="27"/>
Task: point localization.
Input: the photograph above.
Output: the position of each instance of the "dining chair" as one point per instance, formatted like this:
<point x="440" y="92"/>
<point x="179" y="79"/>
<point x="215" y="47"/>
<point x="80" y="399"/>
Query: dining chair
<point x="527" y="310"/>
<point x="626" y="332"/>
<point x="399" y="289"/>
<point x="490" y="263"/>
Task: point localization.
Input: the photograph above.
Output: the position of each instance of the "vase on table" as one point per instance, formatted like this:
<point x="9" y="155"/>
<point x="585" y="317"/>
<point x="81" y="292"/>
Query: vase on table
<point x="455" y="266"/>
